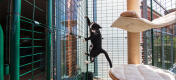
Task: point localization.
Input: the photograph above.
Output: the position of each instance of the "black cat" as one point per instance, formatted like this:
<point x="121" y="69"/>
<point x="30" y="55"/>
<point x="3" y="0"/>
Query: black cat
<point x="96" y="41"/>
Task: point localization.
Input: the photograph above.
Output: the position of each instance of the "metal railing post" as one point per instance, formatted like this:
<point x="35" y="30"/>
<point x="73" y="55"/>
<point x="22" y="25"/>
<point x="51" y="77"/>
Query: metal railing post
<point x="162" y="48"/>
<point x="87" y="49"/>
<point x="58" y="39"/>
<point x="49" y="39"/>
<point x="95" y="19"/>
<point x="1" y="54"/>
<point x="152" y="42"/>
<point x="15" y="42"/>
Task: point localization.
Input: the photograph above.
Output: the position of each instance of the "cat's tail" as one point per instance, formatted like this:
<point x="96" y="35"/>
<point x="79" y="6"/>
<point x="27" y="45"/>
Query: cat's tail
<point x="107" y="57"/>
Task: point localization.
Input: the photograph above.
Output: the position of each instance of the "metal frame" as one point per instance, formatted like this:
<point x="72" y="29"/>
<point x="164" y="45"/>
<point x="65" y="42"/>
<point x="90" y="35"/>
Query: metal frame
<point x="49" y="39"/>
<point x="94" y="20"/>
<point x="15" y="41"/>
<point x="166" y="41"/>
<point x="58" y="42"/>
<point x="61" y="31"/>
<point x="172" y="49"/>
<point x="145" y="15"/>
<point x="152" y="42"/>
<point x="1" y="54"/>
<point x="162" y="48"/>
<point x="87" y="49"/>
<point x="160" y="5"/>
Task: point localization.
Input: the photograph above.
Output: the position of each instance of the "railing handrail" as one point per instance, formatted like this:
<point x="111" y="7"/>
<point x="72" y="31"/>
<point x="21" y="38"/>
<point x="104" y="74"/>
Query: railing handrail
<point x="160" y="5"/>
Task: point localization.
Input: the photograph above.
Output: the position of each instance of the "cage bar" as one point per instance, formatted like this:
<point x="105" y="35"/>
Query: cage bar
<point x="49" y="39"/>
<point x="15" y="41"/>
<point x="1" y="53"/>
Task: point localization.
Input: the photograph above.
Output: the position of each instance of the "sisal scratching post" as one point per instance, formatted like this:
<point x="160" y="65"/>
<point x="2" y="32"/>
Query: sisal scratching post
<point x="133" y="37"/>
<point x="70" y="39"/>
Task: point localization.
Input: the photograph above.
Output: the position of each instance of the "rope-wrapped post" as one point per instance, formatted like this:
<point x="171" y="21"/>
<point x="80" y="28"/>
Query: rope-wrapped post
<point x="71" y="38"/>
<point x="133" y="37"/>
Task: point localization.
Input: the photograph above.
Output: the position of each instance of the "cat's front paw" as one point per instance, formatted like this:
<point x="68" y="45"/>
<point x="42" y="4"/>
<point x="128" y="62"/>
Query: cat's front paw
<point x="86" y="54"/>
<point x="86" y="62"/>
<point x="85" y="16"/>
<point x="86" y="39"/>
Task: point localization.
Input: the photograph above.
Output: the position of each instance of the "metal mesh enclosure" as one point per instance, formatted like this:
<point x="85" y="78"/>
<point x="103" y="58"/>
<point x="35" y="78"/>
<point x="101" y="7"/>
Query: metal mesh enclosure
<point x="114" y="40"/>
<point x="28" y="31"/>
<point x="45" y="39"/>
<point x="70" y="33"/>
<point x="159" y="44"/>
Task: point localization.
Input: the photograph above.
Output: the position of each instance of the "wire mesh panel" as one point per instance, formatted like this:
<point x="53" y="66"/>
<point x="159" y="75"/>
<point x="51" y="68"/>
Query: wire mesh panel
<point x="32" y="37"/>
<point x="71" y="31"/>
<point x="114" y="40"/>
<point x="162" y="52"/>
<point x="90" y="14"/>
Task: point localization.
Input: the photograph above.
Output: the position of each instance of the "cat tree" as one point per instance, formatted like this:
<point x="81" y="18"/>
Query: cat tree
<point x="132" y="22"/>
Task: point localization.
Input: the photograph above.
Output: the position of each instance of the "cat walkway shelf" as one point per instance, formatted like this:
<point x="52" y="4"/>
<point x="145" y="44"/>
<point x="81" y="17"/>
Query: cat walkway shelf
<point x="136" y="24"/>
<point x="140" y="72"/>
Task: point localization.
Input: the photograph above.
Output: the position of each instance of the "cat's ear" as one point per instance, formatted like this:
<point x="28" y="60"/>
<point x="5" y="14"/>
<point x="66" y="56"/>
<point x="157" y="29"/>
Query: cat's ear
<point x="98" y="26"/>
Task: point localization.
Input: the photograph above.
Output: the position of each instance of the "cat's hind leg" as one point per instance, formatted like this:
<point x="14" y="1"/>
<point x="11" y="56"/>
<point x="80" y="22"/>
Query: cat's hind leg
<point x="87" y="62"/>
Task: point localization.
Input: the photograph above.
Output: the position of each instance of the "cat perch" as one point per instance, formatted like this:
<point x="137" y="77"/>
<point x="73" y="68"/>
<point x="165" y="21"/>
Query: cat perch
<point x="140" y="72"/>
<point x="133" y="23"/>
